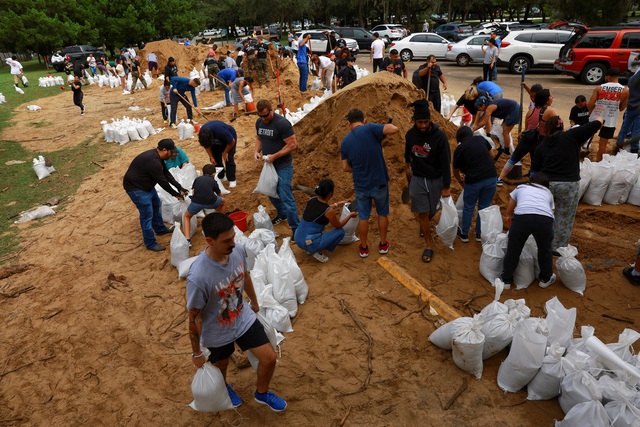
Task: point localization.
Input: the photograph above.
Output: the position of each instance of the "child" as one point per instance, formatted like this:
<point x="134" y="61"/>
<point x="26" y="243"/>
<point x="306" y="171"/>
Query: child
<point x="165" y="92"/>
<point x="206" y="195"/>
<point x="580" y="112"/>
<point x="76" y="87"/>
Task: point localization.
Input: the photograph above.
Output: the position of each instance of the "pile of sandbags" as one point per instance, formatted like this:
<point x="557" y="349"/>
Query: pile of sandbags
<point x="50" y="81"/>
<point x="448" y="103"/>
<point x="127" y="129"/>
<point x="613" y="180"/>
<point x="596" y="384"/>
<point x="306" y="108"/>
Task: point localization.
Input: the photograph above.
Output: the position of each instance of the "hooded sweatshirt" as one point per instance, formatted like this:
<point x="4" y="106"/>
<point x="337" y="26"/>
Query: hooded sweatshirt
<point x="429" y="153"/>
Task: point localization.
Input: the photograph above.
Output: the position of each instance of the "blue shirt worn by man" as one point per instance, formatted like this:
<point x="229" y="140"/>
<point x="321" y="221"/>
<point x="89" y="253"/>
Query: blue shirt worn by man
<point x="222" y="131"/>
<point x="227" y="75"/>
<point x="362" y="148"/>
<point x="302" y="52"/>
<point x="490" y="87"/>
<point x="179" y="160"/>
<point x="182" y="86"/>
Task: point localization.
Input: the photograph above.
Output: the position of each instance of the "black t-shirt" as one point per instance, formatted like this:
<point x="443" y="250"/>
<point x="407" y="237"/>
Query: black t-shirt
<point x="315" y="210"/>
<point x="436" y="72"/>
<point x="579" y="115"/>
<point x="342" y="43"/>
<point x="272" y="136"/>
<point x="429" y="153"/>
<point x="470" y="104"/>
<point x="135" y="66"/>
<point x="146" y="170"/>
<point x="205" y="190"/>
<point x="474" y="160"/>
<point x="262" y="49"/>
<point x="170" y="71"/>
<point x="73" y="87"/>
<point x="78" y="69"/>
<point x="504" y="107"/>
<point x="398" y="65"/>
<point x="250" y="50"/>
<point x="210" y="61"/>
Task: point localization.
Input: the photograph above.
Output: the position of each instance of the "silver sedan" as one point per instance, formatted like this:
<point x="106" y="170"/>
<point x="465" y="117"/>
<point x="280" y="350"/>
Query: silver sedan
<point x="466" y="51"/>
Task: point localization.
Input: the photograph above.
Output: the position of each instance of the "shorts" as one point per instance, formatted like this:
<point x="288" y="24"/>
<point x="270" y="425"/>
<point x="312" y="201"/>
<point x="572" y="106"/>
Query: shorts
<point x="254" y="337"/>
<point x="194" y="207"/>
<point x="152" y="65"/>
<point x="425" y="194"/>
<point x="606" y="132"/>
<point x="513" y="118"/>
<point x="379" y="195"/>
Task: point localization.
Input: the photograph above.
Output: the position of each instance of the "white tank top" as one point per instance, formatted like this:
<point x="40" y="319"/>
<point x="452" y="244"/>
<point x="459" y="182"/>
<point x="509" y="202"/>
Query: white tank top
<point x="608" y="104"/>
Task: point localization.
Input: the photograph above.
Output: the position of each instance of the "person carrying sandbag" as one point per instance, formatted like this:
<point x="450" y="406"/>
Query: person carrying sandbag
<point x="218" y="314"/>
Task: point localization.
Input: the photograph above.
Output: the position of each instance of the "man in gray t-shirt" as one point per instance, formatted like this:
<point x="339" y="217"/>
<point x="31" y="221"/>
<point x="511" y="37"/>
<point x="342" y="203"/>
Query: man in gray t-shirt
<point x="218" y="315"/>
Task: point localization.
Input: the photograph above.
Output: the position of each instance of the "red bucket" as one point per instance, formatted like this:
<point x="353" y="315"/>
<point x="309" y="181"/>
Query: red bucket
<point x="196" y="128"/>
<point x="240" y="220"/>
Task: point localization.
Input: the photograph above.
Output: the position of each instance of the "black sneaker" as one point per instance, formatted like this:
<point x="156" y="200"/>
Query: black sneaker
<point x="507" y="151"/>
<point x="157" y="248"/>
<point x="628" y="273"/>
<point x="478" y="238"/>
<point x="463" y="237"/>
<point x="277" y="220"/>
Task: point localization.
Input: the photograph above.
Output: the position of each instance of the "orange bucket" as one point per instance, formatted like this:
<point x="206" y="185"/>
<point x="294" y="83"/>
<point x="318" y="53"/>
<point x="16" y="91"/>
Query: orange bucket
<point x="250" y="107"/>
<point x="240" y="220"/>
<point x="196" y="128"/>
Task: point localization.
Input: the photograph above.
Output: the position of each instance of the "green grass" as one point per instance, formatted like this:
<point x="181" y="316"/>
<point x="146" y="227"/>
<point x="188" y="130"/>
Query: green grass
<point x="19" y="186"/>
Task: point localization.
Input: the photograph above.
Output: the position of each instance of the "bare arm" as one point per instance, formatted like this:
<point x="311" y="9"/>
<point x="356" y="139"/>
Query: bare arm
<point x="290" y="146"/>
<point x="195" y="331"/>
<point x="251" y="293"/>
<point x="511" y="207"/>
<point x="624" y="99"/>
<point x="258" y="149"/>
<point x="457" y="176"/>
<point x="333" y="217"/>
<point x="210" y="154"/>
<point x="389" y="129"/>
<point x="346" y="167"/>
<point x="452" y="112"/>
<point x="594" y="98"/>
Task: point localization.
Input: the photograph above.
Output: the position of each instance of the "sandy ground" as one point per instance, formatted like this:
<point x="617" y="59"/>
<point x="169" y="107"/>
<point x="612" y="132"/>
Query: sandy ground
<point x="94" y="330"/>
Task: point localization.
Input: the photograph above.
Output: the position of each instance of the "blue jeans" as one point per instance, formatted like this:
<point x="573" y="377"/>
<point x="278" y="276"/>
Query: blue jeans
<point x="286" y="204"/>
<point x="480" y="192"/>
<point x="365" y="200"/>
<point x="148" y="204"/>
<point x="318" y="240"/>
<point x="304" y="75"/>
<point x="227" y="99"/>
<point x="630" y="124"/>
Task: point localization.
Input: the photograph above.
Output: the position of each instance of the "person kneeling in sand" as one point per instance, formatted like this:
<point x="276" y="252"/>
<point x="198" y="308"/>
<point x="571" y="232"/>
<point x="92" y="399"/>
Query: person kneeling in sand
<point x="310" y="234"/>
<point x="206" y="195"/>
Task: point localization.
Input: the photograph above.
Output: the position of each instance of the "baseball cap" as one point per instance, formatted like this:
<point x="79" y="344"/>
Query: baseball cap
<point x="167" y="144"/>
<point x="481" y="101"/>
<point x="171" y="58"/>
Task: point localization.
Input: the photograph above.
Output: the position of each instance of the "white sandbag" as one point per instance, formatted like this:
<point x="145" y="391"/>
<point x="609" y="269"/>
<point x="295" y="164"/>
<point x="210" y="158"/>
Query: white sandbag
<point x="142" y="131"/>
<point x="607" y="356"/>
<point x="37" y="213"/>
<point x="40" y="168"/>
<point x="147" y="124"/>
<point x="620" y="397"/>
<point x="181" y="126"/>
<point x="185" y="266"/>
<point x="623" y="414"/>
<point x="253" y="247"/>
<point x="625" y="340"/>
<point x="179" y="210"/>
<point x="498" y="333"/>
<point x="261" y="219"/>
<point x="279" y="275"/>
<point x="275" y="313"/>
<point x="34" y="107"/>
<point x="560" y="321"/>
<point x="546" y="384"/>
<point x="460" y="206"/>
<point x="209" y="390"/>
<point x="188" y="130"/>
<point x="634" y="194"/>
<point x="492" y="256"/>
<point x="600" y="179"/>
<point x="577" y="387"/>
<point x="625" y="174"/>
<point x="179" y="246"/>
<point x="586" y="173"/>
<point x="442" y="336"/>
<point x="525" y="356"/>
<point x="590" y="413"/>
<point x="133" y="134"/>
<point x="467" y="342"/>
<point x="185" y="175"/>
<point x="495" y="307"/>
<point x="570" y="270"/>
<point x="123" y="136"/>
<point x="350" y="227"/>
<point x="20" y="91"/>
<point x="271" y="332"/>
<point x="447" y="227"/>
<point x="519" y="306"/>
<point x="580" y="344"/>
<point x="268" y="181"/>
<point x="300" y="285"/>
<point x="491" y="221"/>
<point x="525" y="272"/>
<point x="266" y="236"/>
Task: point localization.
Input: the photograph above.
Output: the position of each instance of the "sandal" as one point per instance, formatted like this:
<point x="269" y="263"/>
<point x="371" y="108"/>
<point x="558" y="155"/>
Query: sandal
<point x="427" y="255"/>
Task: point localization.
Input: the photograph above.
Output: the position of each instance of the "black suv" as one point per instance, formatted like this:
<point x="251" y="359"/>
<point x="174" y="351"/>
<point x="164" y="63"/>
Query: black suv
<point x="454" y="31"/>
<point x="81" y="51"/>
<point x="359" y="34"/>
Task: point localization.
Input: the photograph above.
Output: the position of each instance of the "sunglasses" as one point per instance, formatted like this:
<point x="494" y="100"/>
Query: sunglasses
<point x="264" y="115"/>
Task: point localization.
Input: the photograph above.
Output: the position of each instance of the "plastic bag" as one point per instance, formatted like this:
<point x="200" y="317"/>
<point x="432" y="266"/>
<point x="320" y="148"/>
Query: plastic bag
<point x="209" y="390"/>
<point x="460" y="206"/>
<point x="570" y="270"/>
<point x="447" y="227"/>
<point x="498" y="333"/>
<point x="350" y="227"/>
<point x="600" y="179"/>
<point x="268" y="182"/>
<point x="546" y="384"/>
<point x="179" y="246"/>
<point x="560" y="321"/>
<point x="577" y="387"/>
<point x="491" y="221"/>
<point x="279" y="275"/>
<point x="492" y="256"/>
<point x="467" y="342"/>
<point x="625" y="174"/>
<point x="39" y="212"/>
<point x="261" y="219"/>
<point x="590" y="413"/>
<point x="300" y="285"/>
<point x="525" y="357"/>
<point x="185" y="266"/>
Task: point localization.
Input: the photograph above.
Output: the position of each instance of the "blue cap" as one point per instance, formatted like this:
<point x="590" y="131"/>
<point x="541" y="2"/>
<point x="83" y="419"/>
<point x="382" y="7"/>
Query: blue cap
<point x="481" y="101"/>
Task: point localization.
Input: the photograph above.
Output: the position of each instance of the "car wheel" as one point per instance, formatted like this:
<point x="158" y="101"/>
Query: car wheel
<point x="463" y="60"/>
<point x="518" y="63"/>
<point x="406" y="55"/>
<point x="593" y="74"/>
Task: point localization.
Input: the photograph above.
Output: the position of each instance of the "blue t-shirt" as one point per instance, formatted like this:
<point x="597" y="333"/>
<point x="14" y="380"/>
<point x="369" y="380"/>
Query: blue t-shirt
<point x="181" y="84"/>
<point x="217" y="289"/>
<point x="302" y="53"/>
<point x="180" y="159"/>
<point x="227" y="75"/>
<point x="362" y="148"/>
<point x="222" y="131"/>
<point x="490" y="87"/>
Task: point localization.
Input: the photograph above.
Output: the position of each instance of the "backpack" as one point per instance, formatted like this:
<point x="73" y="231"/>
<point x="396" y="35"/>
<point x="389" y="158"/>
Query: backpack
<point x="532" y="136"/>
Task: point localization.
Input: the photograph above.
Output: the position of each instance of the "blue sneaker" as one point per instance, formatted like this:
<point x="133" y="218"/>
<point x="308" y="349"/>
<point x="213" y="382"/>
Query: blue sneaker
<point x="235" y="399"/>
<point x="271" y="400"/>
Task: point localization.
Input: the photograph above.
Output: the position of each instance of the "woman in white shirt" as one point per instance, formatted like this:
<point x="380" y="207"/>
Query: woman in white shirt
<point x="530" y="212"/>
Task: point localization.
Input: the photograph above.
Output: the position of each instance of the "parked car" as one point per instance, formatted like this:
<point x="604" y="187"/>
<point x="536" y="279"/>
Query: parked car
<point x="388" y="31"/>
<point x="488" y="27"/>
<point x="531" y="48"/>
<point x="589" y="53"/>
<point x="421" y="45"/>
<point x="454" y="31"/>
<point x="211" y="33"/>
<point x="319" y="42"/>
<point x="466" y="51"/>
<point x="359" y="34"/>
<point x="80" y="51"/>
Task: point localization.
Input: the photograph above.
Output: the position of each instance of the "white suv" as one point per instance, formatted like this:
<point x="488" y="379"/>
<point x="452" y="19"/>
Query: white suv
<point x="388" y="31"/>
<point x="319" y="42"/>
<point x="531" y="48"/>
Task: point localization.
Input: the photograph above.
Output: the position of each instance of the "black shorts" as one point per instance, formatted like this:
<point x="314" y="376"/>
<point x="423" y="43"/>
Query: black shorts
<point x="254" y="337"/>
<point x="606" y="132"/>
